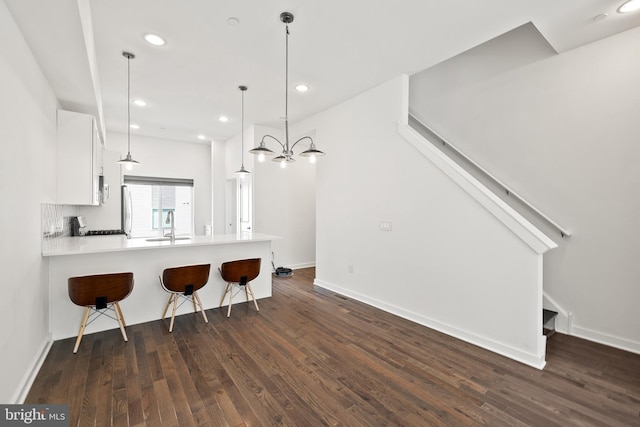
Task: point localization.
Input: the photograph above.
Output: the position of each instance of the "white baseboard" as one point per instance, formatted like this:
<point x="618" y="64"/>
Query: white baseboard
<point x="32" y="372"/>
<point x="302" y="265"/>
<point x="606" y="339"/>
<point x="536" y="361"/>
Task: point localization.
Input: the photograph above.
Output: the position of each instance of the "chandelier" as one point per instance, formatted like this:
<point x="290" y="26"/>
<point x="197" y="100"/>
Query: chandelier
<point x="286" y="156"/>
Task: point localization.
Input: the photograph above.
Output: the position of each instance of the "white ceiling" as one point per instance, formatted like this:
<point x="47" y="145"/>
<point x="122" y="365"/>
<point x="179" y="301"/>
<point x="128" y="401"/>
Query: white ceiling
<point x="339" y="48"/>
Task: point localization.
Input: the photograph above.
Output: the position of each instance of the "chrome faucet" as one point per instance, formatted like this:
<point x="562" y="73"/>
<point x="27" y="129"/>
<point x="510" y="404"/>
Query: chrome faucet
<point x="171" y="220"/>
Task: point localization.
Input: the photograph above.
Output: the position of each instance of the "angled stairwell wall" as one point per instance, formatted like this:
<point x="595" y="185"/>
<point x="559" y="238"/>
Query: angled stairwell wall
<point x="562" y="131"/>
<point x="453" y="261"/>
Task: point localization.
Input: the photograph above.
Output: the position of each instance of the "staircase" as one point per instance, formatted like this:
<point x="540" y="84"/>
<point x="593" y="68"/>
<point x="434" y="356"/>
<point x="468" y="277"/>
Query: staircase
<point x="549" y="322"/>
<point x="498" y="188"/>
<point x="512" y="220"/>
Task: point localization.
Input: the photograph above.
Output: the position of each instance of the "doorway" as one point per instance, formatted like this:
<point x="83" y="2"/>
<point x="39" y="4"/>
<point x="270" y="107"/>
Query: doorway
<point x="238" y="206"/>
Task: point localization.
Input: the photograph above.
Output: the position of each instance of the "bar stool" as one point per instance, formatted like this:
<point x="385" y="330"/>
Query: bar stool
<point x="184" y="282"/>
<point x="238" y="274"/>
<point x="100" y="293"/>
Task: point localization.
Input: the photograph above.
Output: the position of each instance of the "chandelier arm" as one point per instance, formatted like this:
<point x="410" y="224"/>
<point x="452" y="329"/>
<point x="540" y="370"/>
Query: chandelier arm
<point x="304" y="137"/>
<point x="274" y="138"/>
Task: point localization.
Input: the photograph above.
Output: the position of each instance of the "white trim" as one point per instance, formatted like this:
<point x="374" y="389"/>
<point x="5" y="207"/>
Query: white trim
<point x="522" y="228"/>
<point x="30" y="376"/>
<point x="606" y="339"/>
<point x="303" y="265"/>
<point x="535" y="360"/>
<point x="563" y="231"/>
<point x="404" y="119"/>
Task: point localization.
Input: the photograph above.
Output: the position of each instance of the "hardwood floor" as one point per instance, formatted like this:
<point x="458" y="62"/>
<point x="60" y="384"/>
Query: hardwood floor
<point x="311" y="357"/>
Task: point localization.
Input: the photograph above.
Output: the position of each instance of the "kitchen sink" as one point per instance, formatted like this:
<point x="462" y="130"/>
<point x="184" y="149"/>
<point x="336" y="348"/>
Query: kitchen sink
<point x="166" y="239"/>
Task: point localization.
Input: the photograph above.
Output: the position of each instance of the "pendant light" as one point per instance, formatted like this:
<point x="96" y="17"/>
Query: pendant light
<point x="242" y="172"/>
<point x="286" y="156"/>
<point x="128" y="161"/>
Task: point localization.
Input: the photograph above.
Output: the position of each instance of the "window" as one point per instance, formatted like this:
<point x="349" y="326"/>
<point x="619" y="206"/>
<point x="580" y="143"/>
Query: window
<point x="151" y="200"/>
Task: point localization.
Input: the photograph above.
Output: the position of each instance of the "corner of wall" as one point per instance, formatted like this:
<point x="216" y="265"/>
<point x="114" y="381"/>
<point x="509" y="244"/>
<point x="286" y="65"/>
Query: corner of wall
<point x="31" y="373"/>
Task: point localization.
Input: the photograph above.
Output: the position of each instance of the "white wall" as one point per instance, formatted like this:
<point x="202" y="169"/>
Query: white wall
<point x="27" y="178"/>
<point x="233" y="157"/>
<point x="218" y="185"/>
<point x="107" y="216"/>
<point x="172" y="159"/>
<point x="563" y="132"/>
<point x="447" y="263"/>
<point x="285" y="202"/>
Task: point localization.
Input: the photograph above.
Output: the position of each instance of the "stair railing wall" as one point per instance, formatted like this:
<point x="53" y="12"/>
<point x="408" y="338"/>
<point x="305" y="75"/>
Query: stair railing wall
<point x="422" y="128"/>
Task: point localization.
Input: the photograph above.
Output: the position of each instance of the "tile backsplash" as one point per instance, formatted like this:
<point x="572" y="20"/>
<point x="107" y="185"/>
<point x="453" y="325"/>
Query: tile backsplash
<point x="55" y="222"/>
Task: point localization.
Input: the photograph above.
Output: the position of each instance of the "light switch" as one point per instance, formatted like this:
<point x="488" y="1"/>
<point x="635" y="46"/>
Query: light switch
<point x="385" y="225"/>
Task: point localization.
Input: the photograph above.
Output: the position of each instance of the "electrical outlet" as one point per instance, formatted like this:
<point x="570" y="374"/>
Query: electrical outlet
<point x="385" y="226"/>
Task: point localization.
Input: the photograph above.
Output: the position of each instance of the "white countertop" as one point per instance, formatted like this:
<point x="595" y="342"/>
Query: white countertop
<point x="97" y="244"/>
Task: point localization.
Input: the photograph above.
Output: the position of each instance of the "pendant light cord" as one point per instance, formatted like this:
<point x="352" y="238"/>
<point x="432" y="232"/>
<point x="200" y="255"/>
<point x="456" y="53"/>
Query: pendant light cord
<point x="286" y="89"/>
<point x="128" y="106"/>
<point x="242" y="130"/>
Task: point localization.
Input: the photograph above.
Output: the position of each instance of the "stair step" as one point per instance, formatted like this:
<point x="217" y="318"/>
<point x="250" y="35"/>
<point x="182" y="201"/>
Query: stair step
<point x="547" y="315"/>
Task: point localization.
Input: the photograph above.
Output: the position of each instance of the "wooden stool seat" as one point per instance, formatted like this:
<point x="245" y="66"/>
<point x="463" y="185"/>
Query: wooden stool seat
<point x="184" y="282"/>
<point x="239" y="274"/>
<point x="100" y="292"/>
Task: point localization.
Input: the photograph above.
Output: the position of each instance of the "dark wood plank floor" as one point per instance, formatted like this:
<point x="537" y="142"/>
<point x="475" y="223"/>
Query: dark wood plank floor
<point x="311" y="358"/>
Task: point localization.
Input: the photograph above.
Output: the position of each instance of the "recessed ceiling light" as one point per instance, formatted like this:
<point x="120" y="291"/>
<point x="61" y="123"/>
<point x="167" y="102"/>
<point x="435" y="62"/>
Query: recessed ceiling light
<point x="134" y="126"/>
<point x="140" y="102"/>
<point x="202" y="137"/>
<point x="600" y="17"/>
<point x="223" y="119"/>
<point x="154" y="39"/>
<point x="302" y="88"/>
<point x="233" y="21"/>
<point x="629" y="6"/>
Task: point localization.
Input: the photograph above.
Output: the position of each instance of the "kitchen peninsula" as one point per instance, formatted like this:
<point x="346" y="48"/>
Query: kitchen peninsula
<point x="80" y="256"/>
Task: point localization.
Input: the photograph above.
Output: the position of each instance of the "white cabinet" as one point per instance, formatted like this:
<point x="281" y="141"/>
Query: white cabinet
<point x="78" y="155"/>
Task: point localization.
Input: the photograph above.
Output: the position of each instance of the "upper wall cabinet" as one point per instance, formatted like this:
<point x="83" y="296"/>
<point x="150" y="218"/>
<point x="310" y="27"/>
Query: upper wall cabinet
<point x="78" y="156"/>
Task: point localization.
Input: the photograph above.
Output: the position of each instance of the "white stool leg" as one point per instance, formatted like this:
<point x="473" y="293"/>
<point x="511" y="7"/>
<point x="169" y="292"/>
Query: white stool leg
<point x="195" y="294"/>
<point x="225" y="294"/>
<point x="173" y="313"/>
<point x="230" y="295"/>
<point x="121" y="315"/>
<point x="164" y="314"/>
<point x="120" y="320"/>
<point x="253" y="297"/>
<point x="82" y="326"/>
